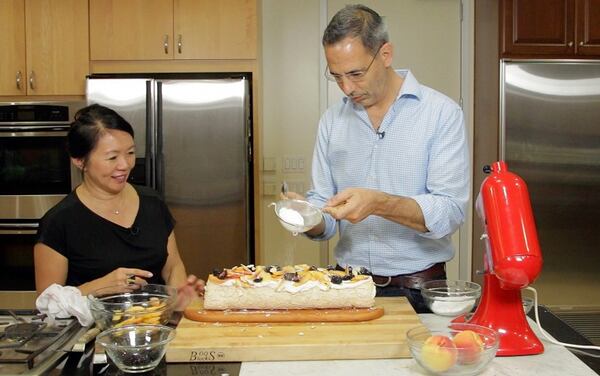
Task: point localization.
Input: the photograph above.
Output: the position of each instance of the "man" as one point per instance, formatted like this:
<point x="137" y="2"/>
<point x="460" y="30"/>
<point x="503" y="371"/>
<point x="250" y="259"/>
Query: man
<point x="391" y="162"/>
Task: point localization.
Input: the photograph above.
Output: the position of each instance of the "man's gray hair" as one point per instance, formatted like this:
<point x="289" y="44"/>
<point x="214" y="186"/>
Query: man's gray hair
<point x="357" y="21"/>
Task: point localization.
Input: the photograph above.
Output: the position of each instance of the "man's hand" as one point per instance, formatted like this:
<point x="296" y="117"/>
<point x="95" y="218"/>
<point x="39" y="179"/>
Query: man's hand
<point x="292" y="196"/>
<point x="316" y="230"/>
<point x="354" y="204"/>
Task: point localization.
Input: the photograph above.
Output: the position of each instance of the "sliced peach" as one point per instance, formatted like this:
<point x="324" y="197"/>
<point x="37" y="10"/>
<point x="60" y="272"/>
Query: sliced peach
<point x="438" y="353"/>
<point x="469" y="345"/>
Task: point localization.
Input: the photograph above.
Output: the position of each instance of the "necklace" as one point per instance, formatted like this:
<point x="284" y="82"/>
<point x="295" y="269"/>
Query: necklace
<point x="102" y="206"/>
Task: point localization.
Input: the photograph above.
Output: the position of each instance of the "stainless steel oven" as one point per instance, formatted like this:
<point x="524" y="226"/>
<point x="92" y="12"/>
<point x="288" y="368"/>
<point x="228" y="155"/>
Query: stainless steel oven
<point x="35" y="174"/>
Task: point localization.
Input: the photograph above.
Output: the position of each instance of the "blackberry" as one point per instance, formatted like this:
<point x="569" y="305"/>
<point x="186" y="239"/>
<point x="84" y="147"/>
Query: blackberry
<point x="336" y="279"/>
<point x="223" y="274"/>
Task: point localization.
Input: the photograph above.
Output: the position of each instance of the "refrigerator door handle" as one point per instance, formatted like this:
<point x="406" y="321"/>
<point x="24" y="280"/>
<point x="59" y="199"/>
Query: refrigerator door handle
<point x="160" y="176"/>
<point x="150" y="152"/>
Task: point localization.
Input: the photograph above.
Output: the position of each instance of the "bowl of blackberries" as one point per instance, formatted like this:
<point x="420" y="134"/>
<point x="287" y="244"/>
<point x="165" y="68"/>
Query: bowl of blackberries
<point x="136" y="348"/>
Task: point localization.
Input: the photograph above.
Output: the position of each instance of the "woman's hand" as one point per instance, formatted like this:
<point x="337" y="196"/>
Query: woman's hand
<point x="126" y="277"/>
<point x="191" y="289"/>
<point x="120" y="277"/>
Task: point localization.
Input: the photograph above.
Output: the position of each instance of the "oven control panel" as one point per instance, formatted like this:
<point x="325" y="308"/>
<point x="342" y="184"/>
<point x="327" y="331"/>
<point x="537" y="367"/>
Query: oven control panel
<point x="41" y="113"/>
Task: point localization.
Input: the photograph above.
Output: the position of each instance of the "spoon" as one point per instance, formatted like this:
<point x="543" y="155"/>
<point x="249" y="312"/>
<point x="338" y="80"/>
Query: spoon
<point x="284" y="188"/>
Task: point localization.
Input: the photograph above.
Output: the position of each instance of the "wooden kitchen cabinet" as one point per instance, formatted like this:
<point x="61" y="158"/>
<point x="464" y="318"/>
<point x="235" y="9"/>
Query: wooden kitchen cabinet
<point x="45" y="45"/>
<point x="131" y="29"/>
<point x="172" y="29"/>
<point x="550" y="28"/>
<point x="588" y="30"/>
<point x="12" y="38"/>
<point x="209" y="29"/>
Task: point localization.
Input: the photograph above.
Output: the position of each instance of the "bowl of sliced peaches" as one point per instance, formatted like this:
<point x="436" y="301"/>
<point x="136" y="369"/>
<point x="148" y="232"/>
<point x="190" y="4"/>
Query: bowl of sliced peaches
<point x="126" y="305"/>
<point x="456" y="349"/>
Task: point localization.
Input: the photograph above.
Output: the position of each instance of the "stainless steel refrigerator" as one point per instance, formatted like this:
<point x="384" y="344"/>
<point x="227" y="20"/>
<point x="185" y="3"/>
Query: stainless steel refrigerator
<point x="550" y="136"/>
<point x="193" y="139"/>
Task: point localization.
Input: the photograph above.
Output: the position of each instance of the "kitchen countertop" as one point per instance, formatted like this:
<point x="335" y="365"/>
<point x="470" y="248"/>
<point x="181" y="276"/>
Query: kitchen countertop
<point x="556" y="360"/>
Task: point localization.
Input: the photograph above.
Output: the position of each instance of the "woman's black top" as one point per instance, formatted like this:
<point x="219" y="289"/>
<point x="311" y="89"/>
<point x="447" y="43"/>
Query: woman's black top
<point x="95" y="246"/>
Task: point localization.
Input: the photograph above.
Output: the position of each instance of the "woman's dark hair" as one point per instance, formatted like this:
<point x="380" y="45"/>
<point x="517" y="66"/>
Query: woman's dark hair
<point x="357" y="21"/>
<point x="90" y="122"/>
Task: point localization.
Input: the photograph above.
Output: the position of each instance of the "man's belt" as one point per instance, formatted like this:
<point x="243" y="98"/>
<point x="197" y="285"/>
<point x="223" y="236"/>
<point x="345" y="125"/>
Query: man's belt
<point x="410" y="281"/>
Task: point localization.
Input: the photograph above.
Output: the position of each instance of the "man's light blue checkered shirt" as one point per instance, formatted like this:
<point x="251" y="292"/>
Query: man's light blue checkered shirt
<point x="423" y="154"/>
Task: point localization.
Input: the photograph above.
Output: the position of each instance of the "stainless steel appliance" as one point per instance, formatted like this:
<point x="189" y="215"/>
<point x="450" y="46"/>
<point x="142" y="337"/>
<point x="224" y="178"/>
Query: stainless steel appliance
<point x="35" y="174"/>
<point x="29" y="345"/>
<point x="193" y="144"/>
<point x="550" y="136"/>
<point x="35" y="170"/>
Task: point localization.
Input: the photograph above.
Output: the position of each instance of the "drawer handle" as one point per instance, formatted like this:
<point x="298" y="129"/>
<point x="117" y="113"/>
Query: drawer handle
<point x="570" y="44"/>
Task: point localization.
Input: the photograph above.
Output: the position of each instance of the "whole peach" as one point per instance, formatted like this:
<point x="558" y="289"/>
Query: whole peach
<point x="438" y="353"/>
<point x="469" y="346"/>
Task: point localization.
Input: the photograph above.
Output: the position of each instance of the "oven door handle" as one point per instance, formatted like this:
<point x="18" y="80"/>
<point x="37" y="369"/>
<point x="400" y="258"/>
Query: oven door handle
<point x="18" y="228"/>
<point x="51" y="129"/>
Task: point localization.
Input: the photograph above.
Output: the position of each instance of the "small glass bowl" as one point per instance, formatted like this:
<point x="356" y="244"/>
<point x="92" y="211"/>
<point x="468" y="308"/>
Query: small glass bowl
<point x="136" y="348"/>
<point x="125" y="305"/>
<point x="311" y="215"/>
<point x="450" y="298"/>
<point x="446" y="355"/>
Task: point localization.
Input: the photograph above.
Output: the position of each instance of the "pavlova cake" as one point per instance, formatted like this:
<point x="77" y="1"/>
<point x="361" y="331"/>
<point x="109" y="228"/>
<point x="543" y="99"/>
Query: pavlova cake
<point x="288" y="287"/>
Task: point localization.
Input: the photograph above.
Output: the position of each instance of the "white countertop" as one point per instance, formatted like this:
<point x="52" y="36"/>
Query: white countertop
<point x="556" y="360"/>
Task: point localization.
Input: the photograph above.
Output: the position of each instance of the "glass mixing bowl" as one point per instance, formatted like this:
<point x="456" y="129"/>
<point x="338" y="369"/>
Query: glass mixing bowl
<point x="297" y="215"/>
<point x="122" y="305"/>
<point x="136" y="348"/>
<point x="457" y="349"/>
<point x="450" y="297"/>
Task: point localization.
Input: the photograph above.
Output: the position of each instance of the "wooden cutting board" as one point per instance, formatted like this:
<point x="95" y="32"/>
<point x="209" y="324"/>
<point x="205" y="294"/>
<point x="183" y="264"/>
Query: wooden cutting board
<point x="381" y="338"/>
<point x="292" y="315"/>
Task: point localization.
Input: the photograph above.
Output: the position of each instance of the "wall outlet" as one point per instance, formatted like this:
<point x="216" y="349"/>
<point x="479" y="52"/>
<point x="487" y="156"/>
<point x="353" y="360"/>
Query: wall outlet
<point x="270" y="189"/>
<point x="296" y="186"/>
<point x="269" y="164"/>
<point x="293" y="163"/>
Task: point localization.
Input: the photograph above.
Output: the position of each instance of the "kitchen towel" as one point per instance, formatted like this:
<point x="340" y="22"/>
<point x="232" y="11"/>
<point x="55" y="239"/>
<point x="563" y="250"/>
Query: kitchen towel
<point x="64" y="301"/>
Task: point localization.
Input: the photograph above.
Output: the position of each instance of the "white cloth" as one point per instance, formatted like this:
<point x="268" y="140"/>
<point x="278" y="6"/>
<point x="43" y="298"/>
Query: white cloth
<point x="64" y="301"/>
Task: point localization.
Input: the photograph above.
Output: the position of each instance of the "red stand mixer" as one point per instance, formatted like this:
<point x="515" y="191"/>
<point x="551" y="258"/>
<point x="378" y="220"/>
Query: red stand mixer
<point x="512" y="260"/>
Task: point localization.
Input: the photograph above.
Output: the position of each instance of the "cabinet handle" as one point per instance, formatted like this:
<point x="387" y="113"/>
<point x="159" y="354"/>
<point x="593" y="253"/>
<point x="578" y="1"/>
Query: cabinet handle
<point x="570" y="44"/>
<point x="32" y="81"/>
<point x="18" y="80"/>
<point x="581" y="43"/>
<point x="179" y="43"/>
<point x="166" y="43"/>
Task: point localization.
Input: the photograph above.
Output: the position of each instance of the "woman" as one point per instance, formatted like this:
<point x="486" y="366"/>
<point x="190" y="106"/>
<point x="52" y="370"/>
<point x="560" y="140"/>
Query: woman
<point x="108" y="232"/>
